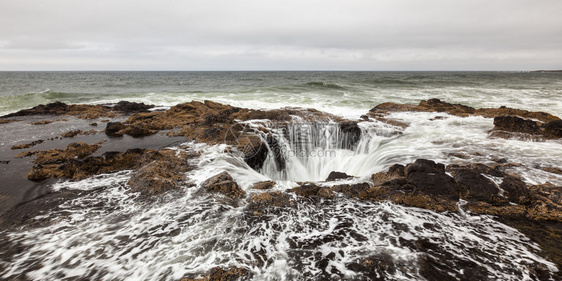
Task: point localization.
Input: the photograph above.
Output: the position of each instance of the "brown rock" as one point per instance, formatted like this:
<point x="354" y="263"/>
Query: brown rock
<point x="71" y="134"/>
<point x="131" y="107"/>
<point x="553" y="170"/>
<point x="38" y="173"/>
<point x="475" y="187"/>
<point x="337" y="176"/>
<point x="225" y="184"/>
<point x="113" y="129"/>
<point x="429" y="178"/>
<point x="164" y="172"/>
<point x="395" y="171"/>
<point x="439" y="106"/>
<point x="516" y="124"/>
<point x="264" y="185"/>
<point x="72" y="151"/>
<point x="265" y="200"/>
<point x="308" y="189"/>
<point x="517" y="191"/>
<point x="478" y="167"/>
<point x="6" y="121"/>
<point x="436" y="105"/>
<point x="44" y="122"/>
<point x="219" y="274"/>
<point x="553" y="129"/>
<point x="254" y="149"/>
<point x="27" y="145"/>
<point x="361" y="191"/>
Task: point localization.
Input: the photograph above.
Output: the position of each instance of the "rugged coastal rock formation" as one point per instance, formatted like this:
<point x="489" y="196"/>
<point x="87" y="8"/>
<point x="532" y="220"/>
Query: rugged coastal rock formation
<point x="156" y="171"/>
<point x="534" y="210"/>
<point x="225" y="184"/>
<point x="214" y="123"/>
<point x="423" y="183"/>
<point x="436" y="105"/>
<point x="507" y="120"/>
<point x="83" y="111"/>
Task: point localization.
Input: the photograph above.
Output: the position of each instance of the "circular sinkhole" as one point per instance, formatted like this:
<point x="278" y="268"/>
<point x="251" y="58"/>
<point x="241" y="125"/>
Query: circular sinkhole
<point x="306" y="151"/>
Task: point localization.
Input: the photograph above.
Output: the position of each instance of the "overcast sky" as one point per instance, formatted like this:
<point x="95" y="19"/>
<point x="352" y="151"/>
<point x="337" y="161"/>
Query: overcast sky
<point x="280" y="35"/>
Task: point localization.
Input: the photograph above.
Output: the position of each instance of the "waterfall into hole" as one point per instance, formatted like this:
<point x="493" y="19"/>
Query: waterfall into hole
<point x="303" y="151"/>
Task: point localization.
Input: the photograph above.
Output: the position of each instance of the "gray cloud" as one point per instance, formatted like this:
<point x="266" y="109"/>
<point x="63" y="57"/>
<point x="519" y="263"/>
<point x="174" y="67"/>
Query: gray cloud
<point x="246" y="34"/>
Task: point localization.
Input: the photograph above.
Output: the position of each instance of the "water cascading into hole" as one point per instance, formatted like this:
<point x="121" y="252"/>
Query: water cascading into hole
<point x="301" y="151"/>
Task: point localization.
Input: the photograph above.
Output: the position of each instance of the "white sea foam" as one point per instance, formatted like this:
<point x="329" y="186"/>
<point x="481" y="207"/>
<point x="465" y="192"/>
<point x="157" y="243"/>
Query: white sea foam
<point x="109" y="234"/>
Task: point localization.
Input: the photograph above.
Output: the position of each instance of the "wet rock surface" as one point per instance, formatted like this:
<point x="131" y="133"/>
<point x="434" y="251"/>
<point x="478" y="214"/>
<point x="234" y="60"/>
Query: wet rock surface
<point x="83" y="111"/>
<point x="220" y="274"/>
<point x="436" y="105"/>
<point x="534" y="210"/>
<point x="225" y="184"/>
<point x="264" y="185"/>
<point x="337" y="176"/>
<point x="507" y="121"/>
<point x="27" y="145"/>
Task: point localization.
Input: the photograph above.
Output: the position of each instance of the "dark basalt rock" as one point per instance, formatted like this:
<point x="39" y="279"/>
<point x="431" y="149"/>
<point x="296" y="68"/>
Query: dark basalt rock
<point x="254" y="150"/>
<point x="113" y="129"/>
<point x="131" y="107"/>
<point x="516" y="124"/>
<point x="55" y="108"/>
<point x="136" y="131"/>
<point x="517" y="191"/>
<point x="424" y="166"/>
<point x="475" y="186"/>
<point x="337" y="176"/>
<point x="352" y="134"/>
<point x="553" y="129"/>
<point x="225" y="184"/>
<point x="478" y="167"/>
<point x="429" y="178"/>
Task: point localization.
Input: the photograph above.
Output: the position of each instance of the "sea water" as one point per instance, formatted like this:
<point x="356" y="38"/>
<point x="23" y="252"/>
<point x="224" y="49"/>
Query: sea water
<point x="109" y="234"/>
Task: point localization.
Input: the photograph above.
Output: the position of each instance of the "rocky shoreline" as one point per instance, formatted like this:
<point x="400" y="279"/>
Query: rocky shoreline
<point x="535" y="210"/>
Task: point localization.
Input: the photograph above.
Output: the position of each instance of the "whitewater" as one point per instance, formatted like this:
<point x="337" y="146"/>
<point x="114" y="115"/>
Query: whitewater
<point x="108" y="233"/>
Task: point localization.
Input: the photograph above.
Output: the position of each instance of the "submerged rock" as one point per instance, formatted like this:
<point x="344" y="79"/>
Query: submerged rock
<point x="225" y="184"/>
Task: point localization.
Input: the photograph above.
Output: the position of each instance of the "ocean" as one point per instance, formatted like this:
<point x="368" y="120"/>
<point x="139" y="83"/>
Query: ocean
<point x="108" y="234"/>
<point x="342" y="93"/>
